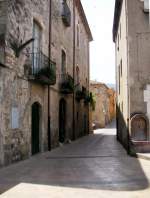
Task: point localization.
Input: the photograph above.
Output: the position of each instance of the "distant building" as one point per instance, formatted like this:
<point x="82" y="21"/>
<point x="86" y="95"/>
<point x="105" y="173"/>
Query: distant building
<point x="131" y="34"/>
<point x="105" y="109"/>
<point x="44" y="63"/>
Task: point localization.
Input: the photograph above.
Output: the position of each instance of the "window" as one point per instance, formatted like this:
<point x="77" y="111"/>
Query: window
<point x="120" y="30"/>
<point x="122" y="107"/>
<point x="86" y="82"/>
<point x="78" y="39"/>
<point x="2" y="53"/>
<point x="36" y="48"/>
<point x="66" y="14"/>
<point x="146" y="5"/>
<point x="78" y="75"/>
<point x="37" y="34"/>
<point x="63" y="62"/>
<point x="118" y="42"/>
<point x="2" y="44"/>
<point x="119" y="78"/>
<point x="121" y="68"/>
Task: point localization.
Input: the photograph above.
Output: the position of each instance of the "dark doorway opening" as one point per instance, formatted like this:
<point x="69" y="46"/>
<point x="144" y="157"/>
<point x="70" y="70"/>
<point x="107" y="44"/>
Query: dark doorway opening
<point x="62" y="120"/>
<point x="85" y="125"/>
<point x="35" y="138"/>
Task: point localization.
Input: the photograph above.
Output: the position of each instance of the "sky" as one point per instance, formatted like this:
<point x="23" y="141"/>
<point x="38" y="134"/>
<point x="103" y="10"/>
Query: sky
<point x="102" y="50"/>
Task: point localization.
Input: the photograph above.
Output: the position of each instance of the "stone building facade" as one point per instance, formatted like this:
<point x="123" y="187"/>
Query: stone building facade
<point x="105" y="109"/>
<point x="44" y="63"/>
<point x="131" y="35"/>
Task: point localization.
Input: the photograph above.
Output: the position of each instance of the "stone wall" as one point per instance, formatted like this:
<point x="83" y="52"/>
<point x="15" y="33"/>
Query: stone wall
<point x="132" y="63"/>
<point x="18" y="94"/>
<point x="3" y="20"/>
<point x="138" y="29"/>
<point x="82" y="63"/>
<point x="112" y="103"/>
<point x="105" y="110"/>
<point x="121" y="48"/>
<point x="62" y="39"/>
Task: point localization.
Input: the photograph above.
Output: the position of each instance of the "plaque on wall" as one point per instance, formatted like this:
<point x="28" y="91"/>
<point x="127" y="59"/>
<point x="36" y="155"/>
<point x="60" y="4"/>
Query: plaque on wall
<point x="15" y="118"/>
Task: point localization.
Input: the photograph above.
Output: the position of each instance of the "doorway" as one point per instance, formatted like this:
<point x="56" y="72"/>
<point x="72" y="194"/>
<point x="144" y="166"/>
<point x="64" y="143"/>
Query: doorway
<point x="85" y="125"/>
<point x="139" y="126"/>
<point x="35" y="137"/>
<point x="62" y="120"/>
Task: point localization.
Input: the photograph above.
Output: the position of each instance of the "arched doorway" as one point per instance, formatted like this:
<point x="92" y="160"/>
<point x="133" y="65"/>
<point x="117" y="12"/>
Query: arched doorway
<point x="35" y="137"/>
<point x="62" y="120"/>
<point x="139" y="127"/>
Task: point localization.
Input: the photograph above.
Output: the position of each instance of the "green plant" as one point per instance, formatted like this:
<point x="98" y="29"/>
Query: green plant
<point x="132" y="152"/>
<point x="49" y="72"/>
<point x="68" y="84"/>
<point x="90" y="98"/>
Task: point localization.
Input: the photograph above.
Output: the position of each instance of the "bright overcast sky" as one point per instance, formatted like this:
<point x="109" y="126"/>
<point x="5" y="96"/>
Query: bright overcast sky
<point x="100" y="17"/>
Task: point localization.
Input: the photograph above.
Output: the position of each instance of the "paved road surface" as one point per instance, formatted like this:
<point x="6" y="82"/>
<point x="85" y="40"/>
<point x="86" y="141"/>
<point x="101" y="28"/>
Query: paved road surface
<point x="92" y="167"/>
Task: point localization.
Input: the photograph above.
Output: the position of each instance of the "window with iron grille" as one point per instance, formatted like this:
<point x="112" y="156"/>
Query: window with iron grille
<point x="63" y="62"/>
<point x="36" y="47"/>
<point x="2" y="43"/>
<point x="146" y="5"/>
<point x="66" y="14"/>
<point x="78" y="39"/>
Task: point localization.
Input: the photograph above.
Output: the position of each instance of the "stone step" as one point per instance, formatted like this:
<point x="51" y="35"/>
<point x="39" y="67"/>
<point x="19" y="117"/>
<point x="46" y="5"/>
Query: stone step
<point x="141" y="146"/>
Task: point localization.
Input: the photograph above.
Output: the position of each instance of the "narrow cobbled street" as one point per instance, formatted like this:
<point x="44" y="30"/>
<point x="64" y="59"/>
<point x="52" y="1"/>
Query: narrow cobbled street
<point x="93" y="166"/>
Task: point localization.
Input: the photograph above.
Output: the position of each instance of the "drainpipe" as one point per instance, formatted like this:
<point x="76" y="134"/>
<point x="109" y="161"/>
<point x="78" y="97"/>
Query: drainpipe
<point x="74" y="48"/>
<point x="128" y="90"/>
<point x="89" y="110"/>
<point x="48" y="98"/>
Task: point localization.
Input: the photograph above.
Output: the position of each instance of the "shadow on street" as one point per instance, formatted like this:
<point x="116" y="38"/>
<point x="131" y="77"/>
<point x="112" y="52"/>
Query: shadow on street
<point x="96" y="161"/>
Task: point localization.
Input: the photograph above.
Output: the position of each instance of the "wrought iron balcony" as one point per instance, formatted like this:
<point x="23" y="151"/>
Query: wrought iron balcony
<point x="41" y="69"/>
<point x="66" y="14"/>
<point x="66" y="84"/>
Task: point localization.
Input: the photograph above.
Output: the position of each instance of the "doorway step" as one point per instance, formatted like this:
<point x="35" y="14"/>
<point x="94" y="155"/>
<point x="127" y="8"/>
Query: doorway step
<point x="141" y="146"/>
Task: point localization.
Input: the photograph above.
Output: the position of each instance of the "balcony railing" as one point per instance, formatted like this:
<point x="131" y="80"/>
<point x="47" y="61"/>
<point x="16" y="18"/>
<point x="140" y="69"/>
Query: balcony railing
<point x="41" y="69"/>
<point x="66" y="84"/>
<point x="66" y="14"/>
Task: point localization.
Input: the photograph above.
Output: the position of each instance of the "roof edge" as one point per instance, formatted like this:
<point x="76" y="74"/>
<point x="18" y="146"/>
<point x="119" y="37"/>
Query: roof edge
<point x="84" y="19"/>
